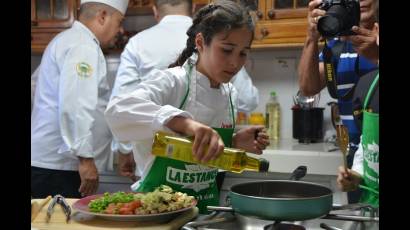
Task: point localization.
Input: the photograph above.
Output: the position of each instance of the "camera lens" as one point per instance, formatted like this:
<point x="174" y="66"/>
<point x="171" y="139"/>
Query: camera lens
<point x="335" y="21"/>
<point x="328" y="26"/>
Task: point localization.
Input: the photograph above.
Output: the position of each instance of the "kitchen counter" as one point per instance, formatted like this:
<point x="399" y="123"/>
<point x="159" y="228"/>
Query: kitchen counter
<point x="288" y="154"/>
<point x="80" y="221"/>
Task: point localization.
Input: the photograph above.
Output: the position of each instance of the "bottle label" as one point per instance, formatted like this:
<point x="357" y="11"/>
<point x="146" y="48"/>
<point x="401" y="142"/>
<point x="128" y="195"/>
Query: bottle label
<point x="195" y="177"/>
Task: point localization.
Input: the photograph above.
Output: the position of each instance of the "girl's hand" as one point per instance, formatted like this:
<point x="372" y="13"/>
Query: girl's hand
<point x="245" y="139"/>
<point x="348" y="181"/>
<point x="204" y="136"/>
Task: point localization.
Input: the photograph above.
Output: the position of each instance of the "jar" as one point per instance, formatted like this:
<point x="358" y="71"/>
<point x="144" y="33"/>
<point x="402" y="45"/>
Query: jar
<point x="256" y="119"/>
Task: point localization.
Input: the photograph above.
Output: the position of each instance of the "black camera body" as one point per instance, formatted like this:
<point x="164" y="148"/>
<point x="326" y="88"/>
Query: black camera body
<point x="340" y="17"/>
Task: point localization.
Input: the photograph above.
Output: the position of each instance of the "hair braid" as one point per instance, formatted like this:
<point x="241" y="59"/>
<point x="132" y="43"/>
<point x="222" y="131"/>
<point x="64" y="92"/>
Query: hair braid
<point x="192" y="31"/>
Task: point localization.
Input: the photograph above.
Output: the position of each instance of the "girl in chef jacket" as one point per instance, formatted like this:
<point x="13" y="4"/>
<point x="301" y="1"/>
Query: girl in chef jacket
<point x="193" y="98"/>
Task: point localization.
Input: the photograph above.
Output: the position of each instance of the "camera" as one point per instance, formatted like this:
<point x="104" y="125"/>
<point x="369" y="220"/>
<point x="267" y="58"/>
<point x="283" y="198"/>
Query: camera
<point x="340" y="17"/>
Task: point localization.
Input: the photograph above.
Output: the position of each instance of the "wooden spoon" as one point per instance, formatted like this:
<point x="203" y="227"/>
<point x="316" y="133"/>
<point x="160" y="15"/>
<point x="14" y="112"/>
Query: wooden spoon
<point x="343" y="142"/>
<point x="36" y="207"/>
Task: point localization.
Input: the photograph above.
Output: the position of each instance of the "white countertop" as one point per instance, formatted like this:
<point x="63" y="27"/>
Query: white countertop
<point x="287" y="154"/>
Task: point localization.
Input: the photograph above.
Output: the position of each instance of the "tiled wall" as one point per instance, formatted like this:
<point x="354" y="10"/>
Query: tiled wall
<point x="273" y="69"/>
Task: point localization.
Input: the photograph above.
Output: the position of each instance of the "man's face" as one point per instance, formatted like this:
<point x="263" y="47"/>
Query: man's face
<point x="112" y="27"/>
<point x="366" y="10"/>
<point x="225" y="55"/>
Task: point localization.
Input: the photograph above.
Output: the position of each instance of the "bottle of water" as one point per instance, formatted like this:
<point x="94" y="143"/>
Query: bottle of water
<point x="273" y="117"/>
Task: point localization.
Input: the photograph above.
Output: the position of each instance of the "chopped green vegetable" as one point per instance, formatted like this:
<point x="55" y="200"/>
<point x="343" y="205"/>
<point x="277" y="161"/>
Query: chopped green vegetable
<point x="99" y="204"/>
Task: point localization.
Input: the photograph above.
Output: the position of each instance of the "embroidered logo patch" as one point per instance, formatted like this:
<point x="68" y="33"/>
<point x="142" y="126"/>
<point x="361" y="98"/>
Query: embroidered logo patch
<point x="84" y="70"/>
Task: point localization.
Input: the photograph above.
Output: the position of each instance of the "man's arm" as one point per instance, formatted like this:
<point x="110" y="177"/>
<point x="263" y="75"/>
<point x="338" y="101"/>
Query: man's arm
<point x="78" y="101"/>
<point x="311" y="72"/>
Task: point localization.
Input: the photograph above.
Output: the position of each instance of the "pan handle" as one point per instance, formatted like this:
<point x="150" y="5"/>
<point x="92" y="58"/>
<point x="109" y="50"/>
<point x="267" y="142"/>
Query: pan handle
<point x="351" y="218"/>
<point x="354" y="206"/>
<point x="298" y="173"/>
<point x="218" y="208"/>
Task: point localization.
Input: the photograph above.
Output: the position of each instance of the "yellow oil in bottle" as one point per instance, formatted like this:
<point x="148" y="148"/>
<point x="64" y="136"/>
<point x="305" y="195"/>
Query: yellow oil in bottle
<point x="180" y="148"/>
<point x="273" y="118"/>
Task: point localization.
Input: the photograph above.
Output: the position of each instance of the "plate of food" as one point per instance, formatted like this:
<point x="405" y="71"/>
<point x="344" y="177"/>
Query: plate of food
<point x="161" y="205"/>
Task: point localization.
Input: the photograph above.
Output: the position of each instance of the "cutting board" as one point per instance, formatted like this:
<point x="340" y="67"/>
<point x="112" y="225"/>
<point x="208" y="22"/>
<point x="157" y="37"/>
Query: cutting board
<point x="80" y="221"/>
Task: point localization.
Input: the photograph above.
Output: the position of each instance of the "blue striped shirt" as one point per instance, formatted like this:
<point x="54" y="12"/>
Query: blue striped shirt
<point x="346" y="78"/>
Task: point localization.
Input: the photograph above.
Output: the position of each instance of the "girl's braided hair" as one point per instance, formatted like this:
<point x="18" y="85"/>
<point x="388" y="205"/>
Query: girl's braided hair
<point x="223" y="15"/>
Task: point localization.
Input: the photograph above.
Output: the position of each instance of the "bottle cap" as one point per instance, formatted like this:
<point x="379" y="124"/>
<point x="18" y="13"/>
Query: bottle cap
<point x="273" y="93"/>
<point x="263" y="165"/>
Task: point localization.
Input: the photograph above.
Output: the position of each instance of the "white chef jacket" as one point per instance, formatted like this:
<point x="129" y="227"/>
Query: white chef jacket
<point x="71" y="95"/>
<point x="136" y="116"/>
<point x="34" y="77"/>
<point x="150" y="50"/>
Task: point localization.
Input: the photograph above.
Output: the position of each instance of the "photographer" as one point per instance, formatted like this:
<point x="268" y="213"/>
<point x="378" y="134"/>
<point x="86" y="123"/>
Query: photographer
<point x="348" y="67"/>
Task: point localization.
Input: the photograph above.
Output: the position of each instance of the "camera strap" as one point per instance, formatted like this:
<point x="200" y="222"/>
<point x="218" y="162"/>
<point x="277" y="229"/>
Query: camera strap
<point x="331" y="68"/>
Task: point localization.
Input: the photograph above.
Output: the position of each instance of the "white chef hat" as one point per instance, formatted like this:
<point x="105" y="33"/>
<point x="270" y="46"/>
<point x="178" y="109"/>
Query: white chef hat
<point x="120" y="5"/>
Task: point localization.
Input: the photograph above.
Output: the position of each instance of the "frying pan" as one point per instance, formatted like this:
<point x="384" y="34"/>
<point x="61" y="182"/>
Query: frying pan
<point x="281" y="200"/>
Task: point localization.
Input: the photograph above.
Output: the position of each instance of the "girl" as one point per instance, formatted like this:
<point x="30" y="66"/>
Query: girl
<point x="190" y="98"/>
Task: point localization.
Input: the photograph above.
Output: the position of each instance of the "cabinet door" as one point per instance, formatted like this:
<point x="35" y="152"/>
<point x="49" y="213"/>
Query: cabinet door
<point x="140" y="7"/>
<point x="281" y="9"/>
<point x="281" y="23"/>
<point x="52" y="13"/>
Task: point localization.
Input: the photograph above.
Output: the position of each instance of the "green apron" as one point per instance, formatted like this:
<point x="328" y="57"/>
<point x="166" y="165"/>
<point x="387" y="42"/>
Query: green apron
<point x="370" y="144"/>
<point x="195" y="180"/>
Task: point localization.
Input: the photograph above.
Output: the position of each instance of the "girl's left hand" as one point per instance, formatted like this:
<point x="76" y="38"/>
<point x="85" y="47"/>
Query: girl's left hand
<point x="245" y="139"/>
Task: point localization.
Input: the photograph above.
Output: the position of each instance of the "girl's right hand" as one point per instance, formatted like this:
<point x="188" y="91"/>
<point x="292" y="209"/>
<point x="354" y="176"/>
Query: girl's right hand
<point x="204" y="136"/>
<point x="348" y="181"/>
<point x="314" y="14"/>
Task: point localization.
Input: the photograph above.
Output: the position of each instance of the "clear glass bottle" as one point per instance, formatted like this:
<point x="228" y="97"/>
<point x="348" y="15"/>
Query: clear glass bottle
<point x="273" y="117"/>
<point x="180" y="148"/>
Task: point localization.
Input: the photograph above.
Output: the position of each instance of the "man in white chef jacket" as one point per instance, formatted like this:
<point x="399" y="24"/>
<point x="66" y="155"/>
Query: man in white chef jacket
<point x="156" y="48"/>
<point x="70" y="140"/>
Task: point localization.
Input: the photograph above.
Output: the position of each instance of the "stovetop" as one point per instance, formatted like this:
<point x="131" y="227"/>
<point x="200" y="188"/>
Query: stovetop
<point x="227" y="220"/>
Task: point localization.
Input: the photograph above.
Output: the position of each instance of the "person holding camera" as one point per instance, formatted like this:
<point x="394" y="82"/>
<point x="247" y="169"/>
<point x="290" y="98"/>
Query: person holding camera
<point x="344" y="65"/>
<point x="365" y="169"/>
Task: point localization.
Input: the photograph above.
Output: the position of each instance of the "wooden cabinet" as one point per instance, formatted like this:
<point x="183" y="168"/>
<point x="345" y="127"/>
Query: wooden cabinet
<point x="281" y="23"/>
<point x="48" y="18"/>
<point x="139" y="7"/>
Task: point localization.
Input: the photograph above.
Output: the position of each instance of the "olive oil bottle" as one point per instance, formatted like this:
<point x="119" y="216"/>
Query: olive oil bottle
<point x="273" y="117"/>
<point x="180" y="148"/>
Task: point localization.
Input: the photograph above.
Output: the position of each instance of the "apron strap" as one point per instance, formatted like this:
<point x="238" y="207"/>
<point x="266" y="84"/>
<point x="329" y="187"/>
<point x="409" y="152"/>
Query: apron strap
<point x="232" y="108"/>
<point x="182" y="105"/>
<point x="370" y="92"/>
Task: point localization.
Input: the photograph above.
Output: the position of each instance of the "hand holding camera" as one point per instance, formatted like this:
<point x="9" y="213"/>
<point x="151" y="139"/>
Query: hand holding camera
<point x="314" y="14"/>
<point x="365" y="42"/>
<point x="340" y="17"/>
